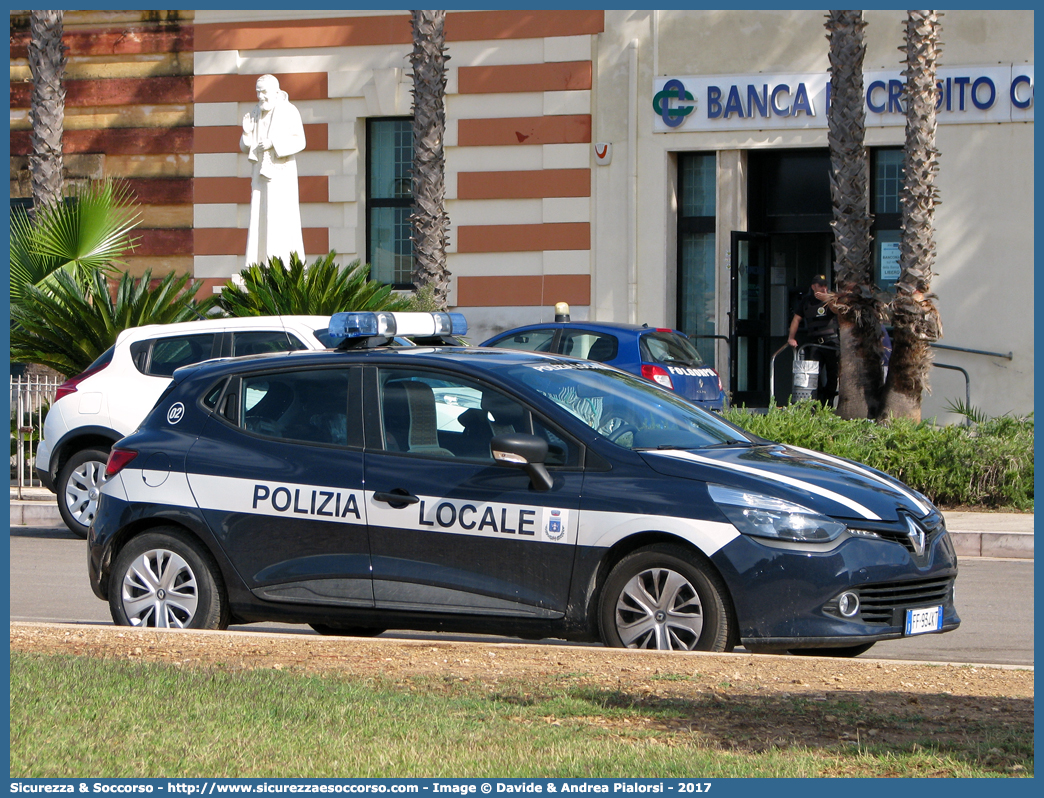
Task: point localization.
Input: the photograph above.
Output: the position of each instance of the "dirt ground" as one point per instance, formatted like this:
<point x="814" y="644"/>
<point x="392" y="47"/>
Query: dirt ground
<point x="758" y="701"/>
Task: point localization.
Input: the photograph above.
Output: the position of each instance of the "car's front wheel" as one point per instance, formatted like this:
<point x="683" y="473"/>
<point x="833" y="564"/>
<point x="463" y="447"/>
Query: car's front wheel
<point x="165" y="579"/>
<point x="79" y="486"/>
<point x="660" y="597"/>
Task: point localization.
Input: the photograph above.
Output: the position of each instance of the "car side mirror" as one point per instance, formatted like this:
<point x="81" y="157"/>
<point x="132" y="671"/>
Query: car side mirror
<point x="526" y="451"/>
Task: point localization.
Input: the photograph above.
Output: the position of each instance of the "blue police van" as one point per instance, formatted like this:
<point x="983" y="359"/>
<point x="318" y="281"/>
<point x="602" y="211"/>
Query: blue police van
<point x="468" y="489"/>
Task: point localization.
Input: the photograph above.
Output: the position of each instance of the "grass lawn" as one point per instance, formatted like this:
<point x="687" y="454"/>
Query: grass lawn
<point x="74" y="716"/>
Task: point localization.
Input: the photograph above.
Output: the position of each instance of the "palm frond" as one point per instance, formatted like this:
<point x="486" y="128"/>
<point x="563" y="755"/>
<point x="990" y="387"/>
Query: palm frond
<point x="65" y="325"/>
<point x="89" y="232"/>
<point x="321" y="288"/>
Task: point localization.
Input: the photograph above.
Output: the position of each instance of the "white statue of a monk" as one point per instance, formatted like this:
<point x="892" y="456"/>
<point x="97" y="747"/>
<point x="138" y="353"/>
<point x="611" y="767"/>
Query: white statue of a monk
<point x="272" y="135"/>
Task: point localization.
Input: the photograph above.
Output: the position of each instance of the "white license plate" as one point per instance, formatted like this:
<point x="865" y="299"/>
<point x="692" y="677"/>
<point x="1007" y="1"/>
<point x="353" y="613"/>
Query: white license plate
<point x="926" y="619"/>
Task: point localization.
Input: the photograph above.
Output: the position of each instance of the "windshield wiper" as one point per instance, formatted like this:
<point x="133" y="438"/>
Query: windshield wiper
<point x="725" y="444"/>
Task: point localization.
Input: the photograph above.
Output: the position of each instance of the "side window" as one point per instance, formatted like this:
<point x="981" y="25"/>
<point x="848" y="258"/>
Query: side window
<point x="210" y="399"/>
<point x="258" y="342"/>
<point x="442" y="415"/>
<point x="169" y="354"/>
<point x="589" y="345"/>
<point x="530" y="341"/>
<point x="309" y="406"/>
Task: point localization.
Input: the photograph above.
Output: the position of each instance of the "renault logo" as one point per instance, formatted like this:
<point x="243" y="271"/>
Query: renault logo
<point x="917" y="536"/>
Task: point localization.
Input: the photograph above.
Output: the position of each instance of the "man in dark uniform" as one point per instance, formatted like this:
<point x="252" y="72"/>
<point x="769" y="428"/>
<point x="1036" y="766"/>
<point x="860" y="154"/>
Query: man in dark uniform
<point x="820" y="325"/>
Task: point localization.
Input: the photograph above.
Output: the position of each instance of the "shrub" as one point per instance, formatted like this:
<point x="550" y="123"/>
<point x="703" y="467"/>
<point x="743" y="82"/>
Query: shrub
<point x="989" y="463"/>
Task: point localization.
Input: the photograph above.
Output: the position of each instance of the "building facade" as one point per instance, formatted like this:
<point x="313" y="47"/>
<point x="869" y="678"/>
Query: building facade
<point x="667" y="167"/>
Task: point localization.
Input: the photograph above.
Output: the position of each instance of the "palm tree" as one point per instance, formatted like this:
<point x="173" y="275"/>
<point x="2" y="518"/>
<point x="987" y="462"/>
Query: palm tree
<point x="81" y="237"/>
<point x="861" y="375"/>
<point x="46" y="106"/>
<point x="915" y="318"/>
<point x="319" y="289"/>
<point x="429" y="218"/>
<point x="66" y="325"/>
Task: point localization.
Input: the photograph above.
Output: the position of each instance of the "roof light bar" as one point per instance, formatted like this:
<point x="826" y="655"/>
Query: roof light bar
<point x="388" y="325"/>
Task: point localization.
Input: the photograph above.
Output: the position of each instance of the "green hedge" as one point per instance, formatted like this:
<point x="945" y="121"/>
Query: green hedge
<point x="987" y="464"/>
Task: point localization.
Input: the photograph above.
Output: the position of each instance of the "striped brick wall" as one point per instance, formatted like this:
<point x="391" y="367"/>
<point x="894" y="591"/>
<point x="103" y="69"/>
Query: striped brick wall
<point x="518" y="140"/>
<point x="128" y="114"/>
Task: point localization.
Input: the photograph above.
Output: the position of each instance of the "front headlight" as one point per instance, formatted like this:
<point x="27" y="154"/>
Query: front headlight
<point x="768" y="517"/>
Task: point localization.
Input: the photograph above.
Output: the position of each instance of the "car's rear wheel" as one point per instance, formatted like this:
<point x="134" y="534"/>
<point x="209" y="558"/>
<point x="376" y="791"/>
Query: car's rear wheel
<point x="663" y="598"/>
<point x="79" y="486"/>
<point x="834" y="651"/>
<point x="345" y="631"/>
<point x="165" y="579"/>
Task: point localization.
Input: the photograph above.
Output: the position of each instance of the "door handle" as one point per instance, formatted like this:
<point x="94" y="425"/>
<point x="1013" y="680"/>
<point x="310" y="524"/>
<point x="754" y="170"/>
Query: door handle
<point x="397" y="498"/>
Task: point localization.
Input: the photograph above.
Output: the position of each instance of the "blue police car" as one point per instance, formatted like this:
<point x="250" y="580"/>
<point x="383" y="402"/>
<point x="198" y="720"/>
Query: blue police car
<point x="491" y="491"/>
<point x="665" y="356"/>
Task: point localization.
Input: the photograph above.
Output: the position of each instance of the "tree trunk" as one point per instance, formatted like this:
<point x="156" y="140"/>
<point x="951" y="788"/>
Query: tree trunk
<point x="915" y="319"/>
<point x="861" y="375"/>
<point x="46" y="107"/>
<point x="429" y="218"/>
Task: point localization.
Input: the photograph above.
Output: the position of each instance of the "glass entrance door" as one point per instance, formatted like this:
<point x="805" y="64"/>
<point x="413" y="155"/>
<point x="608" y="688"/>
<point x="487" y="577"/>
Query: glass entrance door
<point x="749" y="316"/>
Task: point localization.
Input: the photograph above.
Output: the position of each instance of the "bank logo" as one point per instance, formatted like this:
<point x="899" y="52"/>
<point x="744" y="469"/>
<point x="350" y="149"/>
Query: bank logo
<point x="673" y="89"/>
<point x="555" y="528"/>
<point x="176" y="413"/>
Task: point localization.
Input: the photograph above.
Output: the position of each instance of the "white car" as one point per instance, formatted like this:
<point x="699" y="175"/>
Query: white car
<point x="109" y="400"/>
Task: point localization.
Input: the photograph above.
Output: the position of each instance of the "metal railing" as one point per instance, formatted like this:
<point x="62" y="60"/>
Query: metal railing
<point x="967" y="377"/>
<point x="31" y="397"/>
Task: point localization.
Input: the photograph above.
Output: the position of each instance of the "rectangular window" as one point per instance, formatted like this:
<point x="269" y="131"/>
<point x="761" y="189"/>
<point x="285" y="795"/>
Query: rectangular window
<point x="697" y="296"/>
<point x="888" y="180"/>
<point x="885" y="189"/>
<point x="389" y="197"/>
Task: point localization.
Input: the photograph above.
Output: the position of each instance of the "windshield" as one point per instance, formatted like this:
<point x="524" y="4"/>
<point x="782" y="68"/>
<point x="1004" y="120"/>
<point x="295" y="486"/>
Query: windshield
<point x="625" y="409"/>
<point x="670" y="349"/>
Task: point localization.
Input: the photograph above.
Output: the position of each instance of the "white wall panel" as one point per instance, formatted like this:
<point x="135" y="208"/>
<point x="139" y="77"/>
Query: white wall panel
<point x="218" y="214"/>
<point x="493" y="159"/>
<point x="343" y="188"/>
<point x="566" y="209"/>
<point x="484" y="264"/>
<point x="567" y="261"/>
<point x="323" y="162"/>
<point x="567" y="48"/>
<point x="215" y="164"/>
<point x="343" y="242"/>
<point x="558" y="103"/>
<point x="494" y="53"/>
<point x="495" y="106"/>
<point x="566" y="156"/>
<point x="215" y="62"/>
<point x="320" y="214"/>
<point x="216" y="114"/>
<point x="503" y="211"/>
<point x="216" y="265"/>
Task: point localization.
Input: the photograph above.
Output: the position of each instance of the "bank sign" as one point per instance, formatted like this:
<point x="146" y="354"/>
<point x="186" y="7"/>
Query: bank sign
<point x="787" y="101"/>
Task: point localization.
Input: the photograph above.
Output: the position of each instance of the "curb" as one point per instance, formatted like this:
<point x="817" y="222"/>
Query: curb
<point x="1004" y="544"/>
<point x="35" y="513"/>
<point x="1011" y="545"/>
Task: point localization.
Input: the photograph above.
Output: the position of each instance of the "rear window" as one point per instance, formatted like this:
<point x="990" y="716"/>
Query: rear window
<point x="104" y="359"/>
<point x="528" y="341"/>
<point x="669" y="348"/>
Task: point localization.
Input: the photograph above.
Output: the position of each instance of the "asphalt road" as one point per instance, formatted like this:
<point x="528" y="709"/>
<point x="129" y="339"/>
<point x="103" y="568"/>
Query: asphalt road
<point x="994" y="599"/>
